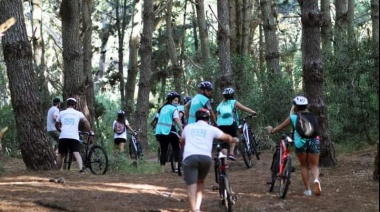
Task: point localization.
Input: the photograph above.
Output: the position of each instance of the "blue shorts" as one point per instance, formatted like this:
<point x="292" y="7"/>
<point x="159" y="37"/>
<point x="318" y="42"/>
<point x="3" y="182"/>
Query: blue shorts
<point x="195" y="167"/>
<point x="311" y="146"/>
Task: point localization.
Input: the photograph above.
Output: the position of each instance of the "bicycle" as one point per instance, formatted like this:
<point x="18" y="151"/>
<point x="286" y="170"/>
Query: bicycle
<point x="135" y="148"/>
<point x="177" y="169"/>
<point x="94" y="156"/>
<point x="281" y="167"/>
<point x="226" y="194"/>
<point x="248" y="145"/>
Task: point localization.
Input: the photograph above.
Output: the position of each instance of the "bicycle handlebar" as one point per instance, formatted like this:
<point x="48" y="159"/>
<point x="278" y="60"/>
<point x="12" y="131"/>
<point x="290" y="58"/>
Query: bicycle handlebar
<point x="86" y="133"/>
<point x="248" y="116"/>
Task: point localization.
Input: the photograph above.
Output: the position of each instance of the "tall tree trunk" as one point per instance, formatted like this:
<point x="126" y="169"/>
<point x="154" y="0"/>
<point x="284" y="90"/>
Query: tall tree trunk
<point x="120" y="26"/>
<point x="195" y="34"/>
<point x="176" y="67"/>
<point x="234" y="41"/>
<point x="312" y="69"/>
<point x="326" y="29"/>
<point x="375" y="70"/>
<point x="74" y="77"/>
<point x="89" y="112"/>
<point x="36" y="151"/>
<point x="340" y="38"/>
<point x="246" y="26"/>
<point x="104" y="35"/>
<point x="142" y="107"/>
<point x="133" y="67"/>
<point x="203" y="31"/>
<point x="224" y="45"/>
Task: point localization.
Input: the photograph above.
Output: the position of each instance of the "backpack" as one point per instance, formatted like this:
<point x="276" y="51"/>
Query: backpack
<point x="306" y="125"/>
<point x="227" y="110"/>
<point x="119" y="128"/>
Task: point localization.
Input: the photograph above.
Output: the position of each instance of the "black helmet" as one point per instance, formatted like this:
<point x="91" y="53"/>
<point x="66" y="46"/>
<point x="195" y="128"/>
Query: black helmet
<point x="202" y="114"/>
<point x="206" y="85"/>
<point x="171" y="95"/>
<point x="56" y="100"/>
<point x="121" y="113"/>
<point x="228" y="93"/>
<point x="71" y="101"/>
<point x="186" y="99"/>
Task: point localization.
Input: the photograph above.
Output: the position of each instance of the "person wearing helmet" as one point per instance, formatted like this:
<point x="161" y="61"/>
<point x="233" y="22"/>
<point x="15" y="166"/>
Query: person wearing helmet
<point x="52" y="131"/>
<point x="228" y="118"/>
<point x="120" y="126"/>
<point x="181" y="110"/>
<point x="307" y="149"/>
<point x="67" y="123"/>
<point x="197" y="159"/>
<point x="201" y="100"/>
<point x="166" y="131"/>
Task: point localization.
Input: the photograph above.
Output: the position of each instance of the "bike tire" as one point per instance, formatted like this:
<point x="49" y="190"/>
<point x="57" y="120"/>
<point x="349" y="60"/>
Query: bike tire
<point x="272" y="182"/>
<point x="172" y="162"/>
<point x="133" y="152"/>
<point x="285" y="178"/>
<point x="180" y="162"/>
<point x="225" y="191"/>
<point x="245" y="153"/>
<point x="216" y="170"/>
<point x="67" y="161"/>
<point x="254" y="146"/>
<point x="97" y="160"/>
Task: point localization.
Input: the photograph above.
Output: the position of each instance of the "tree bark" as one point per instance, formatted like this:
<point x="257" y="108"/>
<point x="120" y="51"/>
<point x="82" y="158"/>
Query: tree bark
<point x="326" y="29"/>
<point x="312" y="69"/>
<point x="142" y="107"/>
<point x="224" y="45"/>
<point x="233" y="21"/>
<point x="203" y="31"/>
<point x="36" y="151"/>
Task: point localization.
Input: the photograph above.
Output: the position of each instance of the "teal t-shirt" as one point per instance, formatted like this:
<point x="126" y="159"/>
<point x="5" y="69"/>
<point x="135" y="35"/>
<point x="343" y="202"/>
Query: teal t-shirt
<point x="165" y="120"/>
<point x="197" y="102"/>
<point x="226" y="113"/>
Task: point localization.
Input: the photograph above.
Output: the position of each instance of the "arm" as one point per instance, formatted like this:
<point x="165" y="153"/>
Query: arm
<point x="280" y="127"/>
<point x="58" y="126"/>
<point x="87" y="125"/>
<point x="227" y="138"/>
<point x="244" y="108"/>
<point x="187" y="108"/>
<point x="179" y="124"/>
<point x="129" y="128"/>
<point x="213" y="117"/>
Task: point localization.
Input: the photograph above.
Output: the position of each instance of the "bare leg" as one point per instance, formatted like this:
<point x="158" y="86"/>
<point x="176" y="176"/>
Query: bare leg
<point x="313" y="164"/>
<point x="199" y="194"/>
<point x="78" y="159"/>
<point x="192" y="196"/>
<point x="59" y="161"/>
<point x="304" y="169"/>
<point x="232" y="148"/>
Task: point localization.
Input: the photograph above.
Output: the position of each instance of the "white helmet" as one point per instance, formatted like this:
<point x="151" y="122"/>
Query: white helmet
<point x="300" y="100"/>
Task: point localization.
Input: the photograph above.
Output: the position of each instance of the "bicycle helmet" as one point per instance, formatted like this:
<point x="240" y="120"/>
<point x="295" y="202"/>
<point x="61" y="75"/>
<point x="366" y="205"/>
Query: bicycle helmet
<point x="121" y="113"/>
<point x="300" y="101"/>
<point x="71" y="101"/>
<point x="228" y="93"/>
<point x="206" y="85"/>
<point x="171" y="95"/>
<point x="186" y="99"/>
<point x="202" y="114"/>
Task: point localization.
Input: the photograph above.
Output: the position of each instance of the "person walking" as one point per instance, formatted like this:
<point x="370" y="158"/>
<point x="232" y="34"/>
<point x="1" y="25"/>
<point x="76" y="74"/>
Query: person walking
<point x="307" y="149"/>
<point x="120" y="126"/>
<point x="201" y="100"/>
<point x="52" y="131"/>
<point x="198" y="139"/>
<point x="67" y="123"/>
<point x="228" y="119"/>
<point x="166" y="131"/>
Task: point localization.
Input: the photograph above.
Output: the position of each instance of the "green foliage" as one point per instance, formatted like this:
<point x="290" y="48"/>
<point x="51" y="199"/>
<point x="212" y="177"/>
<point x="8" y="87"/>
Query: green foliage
<point x="10" y="145"/>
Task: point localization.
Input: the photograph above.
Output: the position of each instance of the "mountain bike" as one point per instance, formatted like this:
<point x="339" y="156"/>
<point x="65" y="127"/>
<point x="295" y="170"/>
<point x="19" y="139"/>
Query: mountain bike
<point x="248" y="145"/>
<point x="94" y="156"/>
<point x="170" y="154"/>
<point x="281" y="167"/>
<point x="135" y="148"/>
<point x="226" y="195"/>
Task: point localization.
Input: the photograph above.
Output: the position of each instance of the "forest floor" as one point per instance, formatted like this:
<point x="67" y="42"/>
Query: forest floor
<point x="345" y="187"/>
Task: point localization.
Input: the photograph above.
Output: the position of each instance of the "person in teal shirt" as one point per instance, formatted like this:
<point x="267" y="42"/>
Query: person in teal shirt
<point x="201" y="100"/>
<point x="166" y="131"/>
<point x="228" y="119"/>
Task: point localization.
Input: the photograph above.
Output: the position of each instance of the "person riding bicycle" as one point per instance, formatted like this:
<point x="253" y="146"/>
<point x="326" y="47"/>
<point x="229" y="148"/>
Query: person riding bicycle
<point x="197" y="158"/>
<point x="52" y="131"/>
<point x="201" y="100"/>
<point x="228" y="119"/>
<point x="120" y="126"/>
<point x="67" y="123"/>
<point x="307" y="149"/>
<point x="166" y="131"/>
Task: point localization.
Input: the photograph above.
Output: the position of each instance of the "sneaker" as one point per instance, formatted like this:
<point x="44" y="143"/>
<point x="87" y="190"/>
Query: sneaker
<point x="317" y="187"/>
<point x="307" y="193"/>
<point x="81" y="171"/>
<point x="232" y="157"/>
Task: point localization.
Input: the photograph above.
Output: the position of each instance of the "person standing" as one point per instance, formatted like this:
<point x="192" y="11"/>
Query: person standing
<point x="198" y="139"/>
<point x="67" y="123"/>
<point x="201" y="100"/>
<point x="228" y="118"/>
<point x="120" y="126"/>
<point x="307" y="149"/>
<point x="52" y="131"/>
<point x="165" y="131"/>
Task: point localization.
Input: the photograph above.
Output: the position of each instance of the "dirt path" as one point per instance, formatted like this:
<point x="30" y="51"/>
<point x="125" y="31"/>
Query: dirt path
<point x="347" y="187"/>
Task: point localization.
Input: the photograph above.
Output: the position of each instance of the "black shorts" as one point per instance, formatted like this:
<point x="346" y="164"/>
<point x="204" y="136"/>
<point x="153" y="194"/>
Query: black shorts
<point x="230" y="130"/>
<point x="65" y="144"/>
<point x="117" y="141"/>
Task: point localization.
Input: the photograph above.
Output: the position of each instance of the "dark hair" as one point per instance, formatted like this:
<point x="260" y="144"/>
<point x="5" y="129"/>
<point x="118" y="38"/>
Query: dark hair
<point x="202" y="114"/>
<point x="56" y="101"/>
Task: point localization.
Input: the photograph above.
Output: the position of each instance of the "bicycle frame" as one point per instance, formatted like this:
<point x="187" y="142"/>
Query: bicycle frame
<point x="284" y="151"/>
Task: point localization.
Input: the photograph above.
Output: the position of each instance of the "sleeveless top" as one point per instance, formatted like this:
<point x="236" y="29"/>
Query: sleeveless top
<point x="165" y="120"/>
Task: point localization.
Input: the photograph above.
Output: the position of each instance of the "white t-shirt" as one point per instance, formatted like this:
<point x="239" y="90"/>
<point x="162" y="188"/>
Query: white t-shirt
<point x="199" y="137"/>
<point x="122" y="135"/>
<point x="50" y="123"/>
<point x="70" y="119"/>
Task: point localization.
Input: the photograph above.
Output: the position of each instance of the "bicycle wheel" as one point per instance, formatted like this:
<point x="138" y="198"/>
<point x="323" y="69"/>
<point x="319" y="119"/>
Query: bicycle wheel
<point x="67" y="161"/>
<point x="180" y="162"/>
<point x="216" y="170"/>
<point x="245" y="153"/>
<point x="225" y="192"/>
<point x="172" y="162"/>
<point x="274" y="169"/>
<point x="285" y="178"/>
<point x="97" y="160"/>
<point x="254" y="145"/>
<point x="133" y="151"/>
